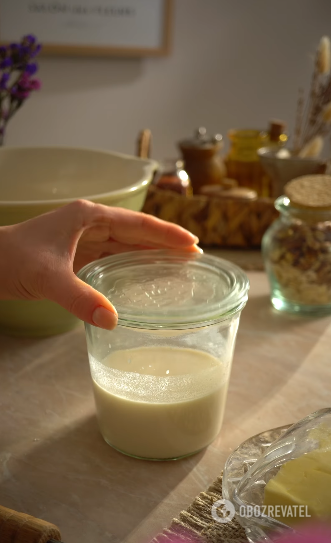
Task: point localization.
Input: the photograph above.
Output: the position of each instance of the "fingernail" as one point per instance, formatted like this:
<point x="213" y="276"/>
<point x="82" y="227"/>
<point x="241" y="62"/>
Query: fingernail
<point x="194" y="238"/>
<point x="104" y="318"/>
<point x="198" y="249"/>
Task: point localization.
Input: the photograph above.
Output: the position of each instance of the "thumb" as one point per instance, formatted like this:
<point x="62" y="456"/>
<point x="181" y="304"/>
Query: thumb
<point x="83" y="301"/>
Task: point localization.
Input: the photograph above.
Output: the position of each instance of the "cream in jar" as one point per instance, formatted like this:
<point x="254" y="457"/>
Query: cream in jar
<point x="160" y="402"/>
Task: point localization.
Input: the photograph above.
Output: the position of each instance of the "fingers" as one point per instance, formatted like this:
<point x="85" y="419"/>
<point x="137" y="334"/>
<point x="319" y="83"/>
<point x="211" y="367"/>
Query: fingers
<point x="115" y="247"/>
<point x="95" y="222"/>
<point x="138" y="228"/>
<point x="83" y="301"/>
<point x="94" y="251"/>
<point x="131" y="227"/>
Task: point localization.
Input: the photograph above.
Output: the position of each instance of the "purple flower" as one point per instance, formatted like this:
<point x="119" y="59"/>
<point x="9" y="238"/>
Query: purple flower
<point x="20" y="55"/>
<point x="30" y="39"/>
<point x="24" y="50"/>
<point x="19" y="93"/>
<point x="6" y="63"/>
<point x="36" y="50"/>
<point x="35" y="84"/>
<point x="17" y="68"/>
<point x="22" y="89"/>
<point x="4" y="80"/>
<point x="31" y="69"/>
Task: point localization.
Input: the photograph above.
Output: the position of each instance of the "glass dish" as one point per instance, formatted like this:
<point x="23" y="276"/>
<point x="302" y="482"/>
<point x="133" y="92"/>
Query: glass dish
<point x="256" y="461"/>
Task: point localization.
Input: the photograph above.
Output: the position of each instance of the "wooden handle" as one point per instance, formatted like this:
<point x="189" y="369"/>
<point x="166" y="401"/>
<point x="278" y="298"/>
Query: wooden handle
<point x="21" y="528"/>
<point x="144" y="144"/>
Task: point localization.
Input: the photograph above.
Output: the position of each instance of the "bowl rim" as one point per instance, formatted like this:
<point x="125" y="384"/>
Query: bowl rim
<point x="150" y="166"/>
<point x="268" y="153"/>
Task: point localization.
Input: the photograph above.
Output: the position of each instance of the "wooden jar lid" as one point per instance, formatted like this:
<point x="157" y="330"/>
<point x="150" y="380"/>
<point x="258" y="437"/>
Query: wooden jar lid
<point x="310" y="191"/>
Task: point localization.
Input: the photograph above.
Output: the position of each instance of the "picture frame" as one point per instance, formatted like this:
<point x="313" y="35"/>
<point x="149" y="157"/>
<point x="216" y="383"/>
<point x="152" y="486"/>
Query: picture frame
<point x="104" y="28"/>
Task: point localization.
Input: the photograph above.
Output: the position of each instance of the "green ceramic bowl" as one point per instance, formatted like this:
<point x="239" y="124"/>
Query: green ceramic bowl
<point x="34" y="180"/>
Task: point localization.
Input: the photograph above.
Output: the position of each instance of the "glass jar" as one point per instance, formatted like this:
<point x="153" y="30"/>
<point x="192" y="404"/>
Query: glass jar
<point x="297" y="255"/>
<point x="243" y="163"/>
<point x="160" y="379"/>
<point x="172" y="176"/>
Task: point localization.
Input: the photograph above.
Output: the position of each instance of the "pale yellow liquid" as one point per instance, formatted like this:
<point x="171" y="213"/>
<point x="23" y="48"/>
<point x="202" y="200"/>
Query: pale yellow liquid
<point x="159" y="403"/>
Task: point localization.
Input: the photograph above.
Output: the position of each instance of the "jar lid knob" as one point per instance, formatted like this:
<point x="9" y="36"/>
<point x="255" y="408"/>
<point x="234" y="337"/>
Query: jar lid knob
<point x="201" y="133"/>
<point x="217" y="138"/>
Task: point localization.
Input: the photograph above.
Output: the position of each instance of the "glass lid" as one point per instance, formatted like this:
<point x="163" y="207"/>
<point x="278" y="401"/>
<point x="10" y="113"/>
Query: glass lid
<point x="168" y="289"/>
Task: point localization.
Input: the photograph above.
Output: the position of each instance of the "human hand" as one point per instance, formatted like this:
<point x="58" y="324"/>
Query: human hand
<point x="39" y="257"/>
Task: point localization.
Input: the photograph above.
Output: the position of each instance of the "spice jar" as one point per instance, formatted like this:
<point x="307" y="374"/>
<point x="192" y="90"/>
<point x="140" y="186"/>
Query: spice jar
<point x="160" y="378"/>
<point x="297" y="247"/>
<point x="276" y="133"/>
<point x="243" y="163"/>
<point x="172" y="176"/>
<point x="202" y="158"/>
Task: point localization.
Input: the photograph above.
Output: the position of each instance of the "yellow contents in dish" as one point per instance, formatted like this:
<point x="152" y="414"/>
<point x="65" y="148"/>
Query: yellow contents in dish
<point x="301" y="490"/>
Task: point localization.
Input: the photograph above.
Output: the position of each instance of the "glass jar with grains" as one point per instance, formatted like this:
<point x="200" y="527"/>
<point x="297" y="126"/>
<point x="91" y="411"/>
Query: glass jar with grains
<point x="297" y="247"/>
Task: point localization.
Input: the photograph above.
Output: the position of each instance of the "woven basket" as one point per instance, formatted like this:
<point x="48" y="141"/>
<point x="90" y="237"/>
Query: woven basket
<point x="216" y="221"/>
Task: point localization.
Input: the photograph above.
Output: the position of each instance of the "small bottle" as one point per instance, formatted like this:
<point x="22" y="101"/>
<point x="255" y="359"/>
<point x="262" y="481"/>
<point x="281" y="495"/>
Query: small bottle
<point x="276" y="132"/>
<point x="172" y="176"/>
<point x="277" y="139"/>
<point x="242" y="161"/>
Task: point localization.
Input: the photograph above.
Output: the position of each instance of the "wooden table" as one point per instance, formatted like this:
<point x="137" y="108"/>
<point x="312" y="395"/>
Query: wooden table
<point x="55" y="465"/>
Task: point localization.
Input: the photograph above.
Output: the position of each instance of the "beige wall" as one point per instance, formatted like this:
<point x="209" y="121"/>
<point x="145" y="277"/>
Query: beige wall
<point x="235" y="63"/>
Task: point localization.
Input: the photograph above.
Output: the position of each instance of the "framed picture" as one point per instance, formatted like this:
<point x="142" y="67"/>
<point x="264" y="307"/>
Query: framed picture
<point x="90" y="27"/>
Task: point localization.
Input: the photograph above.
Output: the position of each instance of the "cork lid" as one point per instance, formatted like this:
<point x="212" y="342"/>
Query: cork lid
<point x="276" y="129"/>
<point x="310" y="191"/>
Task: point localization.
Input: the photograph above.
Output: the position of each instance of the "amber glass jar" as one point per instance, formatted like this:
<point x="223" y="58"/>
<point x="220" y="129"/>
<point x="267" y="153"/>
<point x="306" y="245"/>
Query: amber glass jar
<point x="173" y="176"/>
<point x="243" y="163"/>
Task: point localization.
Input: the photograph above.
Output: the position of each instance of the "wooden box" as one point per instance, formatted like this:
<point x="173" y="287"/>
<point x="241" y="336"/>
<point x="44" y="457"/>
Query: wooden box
<point x="216" y="221"/>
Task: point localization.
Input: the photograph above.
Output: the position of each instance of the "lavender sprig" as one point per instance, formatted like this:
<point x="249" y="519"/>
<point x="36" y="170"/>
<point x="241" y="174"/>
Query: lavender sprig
<point x="17" y="68"/>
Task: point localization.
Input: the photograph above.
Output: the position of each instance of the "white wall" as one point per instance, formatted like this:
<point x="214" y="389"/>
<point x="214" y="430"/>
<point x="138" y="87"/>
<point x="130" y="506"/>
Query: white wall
<point x="235" y="63"/>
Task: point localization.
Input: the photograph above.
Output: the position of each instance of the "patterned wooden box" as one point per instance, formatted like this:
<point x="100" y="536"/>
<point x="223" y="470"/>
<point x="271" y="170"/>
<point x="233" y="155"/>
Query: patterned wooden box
<point x="216" y="222"/>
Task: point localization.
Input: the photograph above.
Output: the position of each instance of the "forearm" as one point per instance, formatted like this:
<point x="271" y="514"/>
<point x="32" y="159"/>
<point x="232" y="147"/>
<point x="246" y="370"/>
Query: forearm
<point x="7" y="264"/>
